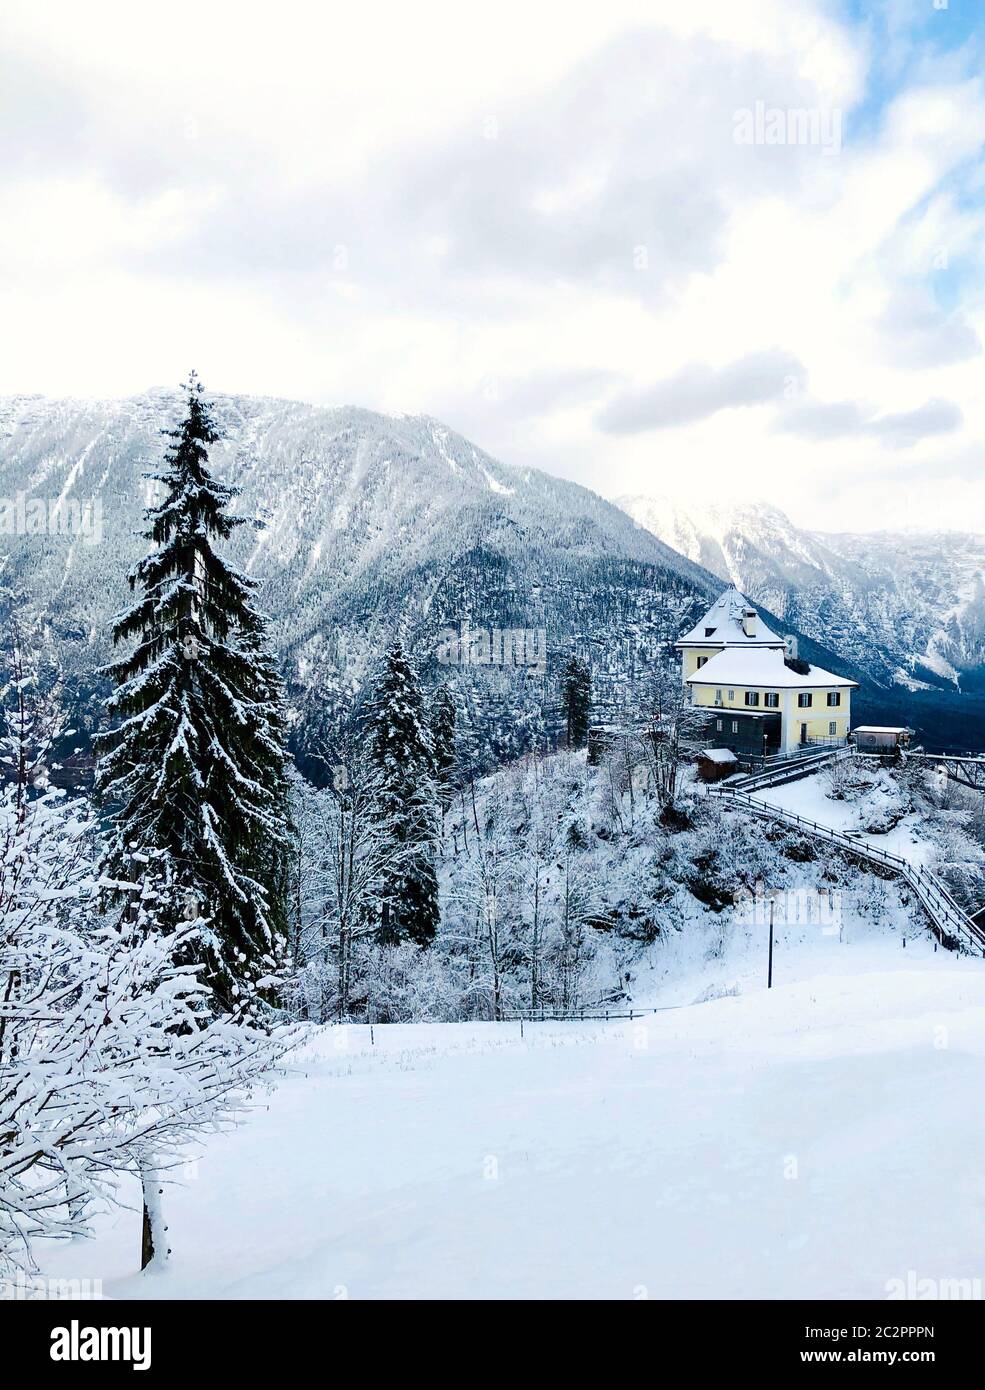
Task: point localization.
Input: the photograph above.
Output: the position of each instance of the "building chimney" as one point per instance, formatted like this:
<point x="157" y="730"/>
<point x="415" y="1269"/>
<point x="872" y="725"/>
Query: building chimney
<point x="749" y="616"/>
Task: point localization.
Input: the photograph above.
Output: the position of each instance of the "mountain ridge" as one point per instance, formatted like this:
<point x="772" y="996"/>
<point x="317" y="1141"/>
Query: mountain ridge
<point x="361" y="527"/>
<point x="908" y="608"/>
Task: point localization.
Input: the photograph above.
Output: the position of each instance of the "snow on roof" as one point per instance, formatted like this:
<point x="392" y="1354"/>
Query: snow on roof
<point x="761" y="666"/>
<point x="880" y="729"/>
<point x="722" y="624"/>
<point x="719" y="755"/>
<point x="736" y="712"/>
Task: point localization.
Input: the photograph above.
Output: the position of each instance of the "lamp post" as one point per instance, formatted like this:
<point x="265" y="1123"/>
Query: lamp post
<point x="769" y="973"/>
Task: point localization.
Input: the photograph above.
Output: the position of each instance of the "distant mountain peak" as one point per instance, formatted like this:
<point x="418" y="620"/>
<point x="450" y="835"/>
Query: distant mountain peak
<point x="906" y="608"/>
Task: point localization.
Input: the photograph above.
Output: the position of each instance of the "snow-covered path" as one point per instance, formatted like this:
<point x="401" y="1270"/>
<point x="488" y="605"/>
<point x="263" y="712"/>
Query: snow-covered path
<point x="818" y="1140"/>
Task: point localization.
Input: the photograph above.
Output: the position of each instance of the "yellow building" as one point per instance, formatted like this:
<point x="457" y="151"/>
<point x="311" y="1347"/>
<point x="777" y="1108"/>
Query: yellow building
<point x="759" y="699"/>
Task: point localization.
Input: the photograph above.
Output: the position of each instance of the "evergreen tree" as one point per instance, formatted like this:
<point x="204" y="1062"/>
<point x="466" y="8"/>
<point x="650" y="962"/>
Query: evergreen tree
<point x="443" y="738"/>
<point x="400" y="744"/>
<point x="577" y="700"/>
<point x="194" y="775"/>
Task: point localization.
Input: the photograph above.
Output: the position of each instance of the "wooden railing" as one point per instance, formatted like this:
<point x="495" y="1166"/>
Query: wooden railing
<point x="582" y="1012"/>
<point x="948" y="917"/>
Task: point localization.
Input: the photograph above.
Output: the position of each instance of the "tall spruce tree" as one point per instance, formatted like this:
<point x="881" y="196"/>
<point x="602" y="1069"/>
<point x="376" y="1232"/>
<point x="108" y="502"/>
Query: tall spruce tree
<point x="194" y="774"/>
<point x="401" y="746"/>
<point x="577" y="700"/>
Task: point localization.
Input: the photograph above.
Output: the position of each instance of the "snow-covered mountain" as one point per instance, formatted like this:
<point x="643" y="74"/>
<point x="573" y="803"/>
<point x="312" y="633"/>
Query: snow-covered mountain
<point x="364" y="525"/>
<point x="906" y="608"/>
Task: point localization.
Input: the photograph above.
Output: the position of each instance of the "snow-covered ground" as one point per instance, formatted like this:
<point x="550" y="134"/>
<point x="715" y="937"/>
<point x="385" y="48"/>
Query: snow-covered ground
<point x="809" y="798"/>
<point x="817" y="1140"/>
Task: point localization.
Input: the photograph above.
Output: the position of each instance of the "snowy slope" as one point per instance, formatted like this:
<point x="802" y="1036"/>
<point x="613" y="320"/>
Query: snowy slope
<point x="732" y="1149"/>
<point x="907" y="608"/>
<point x="940" y="580"/>
<point x="364" y="525"/>
<point x="811" y="799"/>
<point x="337" y="493"/>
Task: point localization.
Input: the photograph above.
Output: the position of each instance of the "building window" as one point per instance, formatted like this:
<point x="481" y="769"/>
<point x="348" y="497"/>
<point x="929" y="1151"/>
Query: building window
<point x="834" y="697"/>
<point x="709" y="632"/>
<point x="735" y="726"/>
<point x="731" y="694"/>
<point x="833" y="726"/>
<point x="701" y="661"/>
<point x="805" y="699"/>
<point x="718" y="697"/>
<point x="771" y="700"/>
<point x="752" y="697"/>
<point x="718" y="725"/>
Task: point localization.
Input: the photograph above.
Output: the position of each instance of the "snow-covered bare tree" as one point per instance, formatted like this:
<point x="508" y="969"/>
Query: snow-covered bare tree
<point x="443" y="720"/>
<point x="576" y="901"/>
<point x="482" y="893"/>
<point x="111" y="1058"/>
<point x="537" y="818"/>
<point x="348" y="853"/>
<point x="670" y="727"/>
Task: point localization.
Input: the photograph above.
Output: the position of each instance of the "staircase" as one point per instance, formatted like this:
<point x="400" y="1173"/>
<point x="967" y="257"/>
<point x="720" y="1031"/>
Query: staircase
<point x="790" y="769"/>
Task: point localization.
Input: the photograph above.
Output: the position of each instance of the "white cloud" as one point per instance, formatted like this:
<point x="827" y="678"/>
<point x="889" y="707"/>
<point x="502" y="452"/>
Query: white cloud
<point x="532" y="220"/>
<point x="698" y="391"/>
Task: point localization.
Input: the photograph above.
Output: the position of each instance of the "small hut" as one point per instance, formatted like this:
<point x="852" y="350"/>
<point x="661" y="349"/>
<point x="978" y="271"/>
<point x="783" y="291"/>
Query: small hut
<point x="877" y="738"/>
<point x="716" y="763"/>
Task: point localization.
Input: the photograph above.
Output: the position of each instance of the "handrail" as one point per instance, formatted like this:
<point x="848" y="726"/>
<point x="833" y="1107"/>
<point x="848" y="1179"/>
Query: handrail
<point x="947" y="757"/>
<point x="790" y="770"/>
<point x="933" y="894"/>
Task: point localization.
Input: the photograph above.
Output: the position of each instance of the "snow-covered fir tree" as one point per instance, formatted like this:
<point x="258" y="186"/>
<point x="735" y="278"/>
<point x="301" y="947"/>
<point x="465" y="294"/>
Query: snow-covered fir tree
<point x="194" y="773"/>
<point x="401" y="746"/>
<point x="577" y="700"/>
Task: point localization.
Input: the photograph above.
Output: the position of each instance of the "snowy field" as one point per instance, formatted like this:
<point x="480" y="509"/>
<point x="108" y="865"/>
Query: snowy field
<point x="818" y="1140"/>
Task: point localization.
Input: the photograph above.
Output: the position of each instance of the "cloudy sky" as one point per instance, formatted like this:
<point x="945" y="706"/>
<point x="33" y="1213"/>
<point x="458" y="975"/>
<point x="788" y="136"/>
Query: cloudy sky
<point x="713" y="248"/>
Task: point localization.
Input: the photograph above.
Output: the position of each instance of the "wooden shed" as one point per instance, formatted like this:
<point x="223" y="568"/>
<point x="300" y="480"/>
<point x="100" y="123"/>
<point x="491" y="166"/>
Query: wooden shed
<point x="716" y="763"/>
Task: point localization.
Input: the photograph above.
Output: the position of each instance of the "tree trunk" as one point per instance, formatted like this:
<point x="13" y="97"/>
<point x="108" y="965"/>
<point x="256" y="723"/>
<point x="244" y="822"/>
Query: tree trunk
<point x="494" y="961"/>
<point x="153" y="1239"/>
<point x="535" y="942"/>
<point x="344" y="936"/>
